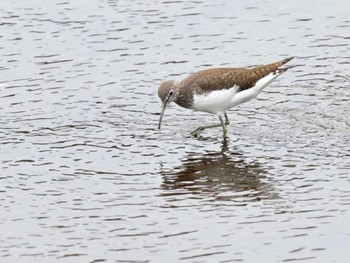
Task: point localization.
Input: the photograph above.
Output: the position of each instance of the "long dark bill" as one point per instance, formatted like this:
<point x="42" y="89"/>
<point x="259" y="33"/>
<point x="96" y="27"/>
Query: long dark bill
<point x="162" y="114"/>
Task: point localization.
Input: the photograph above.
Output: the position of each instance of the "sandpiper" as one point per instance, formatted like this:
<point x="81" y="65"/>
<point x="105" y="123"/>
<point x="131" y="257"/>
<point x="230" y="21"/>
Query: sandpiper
<point x="218" y="89"/>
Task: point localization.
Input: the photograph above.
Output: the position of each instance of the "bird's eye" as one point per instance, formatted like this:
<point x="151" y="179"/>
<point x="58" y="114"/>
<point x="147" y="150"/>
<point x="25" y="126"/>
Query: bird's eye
<point x="171" y="93"/>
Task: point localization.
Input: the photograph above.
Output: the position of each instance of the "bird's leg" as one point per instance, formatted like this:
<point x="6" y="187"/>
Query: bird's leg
<point x="222" y="124"/>
<point x="227" y="121"/>
<point x="224" y="128"/>
<point x="197" y="131"/>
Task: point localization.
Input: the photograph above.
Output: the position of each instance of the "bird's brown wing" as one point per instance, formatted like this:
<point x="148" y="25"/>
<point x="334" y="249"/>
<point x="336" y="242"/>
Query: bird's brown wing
<point x="224" y="78"/>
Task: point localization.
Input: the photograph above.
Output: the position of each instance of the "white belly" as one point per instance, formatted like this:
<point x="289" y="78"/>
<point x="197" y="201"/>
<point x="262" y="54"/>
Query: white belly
<point x="214" y="102"/>
<point x="219" y="101"/>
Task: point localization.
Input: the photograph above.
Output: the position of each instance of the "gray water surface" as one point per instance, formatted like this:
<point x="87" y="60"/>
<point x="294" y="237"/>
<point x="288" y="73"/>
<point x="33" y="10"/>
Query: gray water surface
<point x="86" y="176"/>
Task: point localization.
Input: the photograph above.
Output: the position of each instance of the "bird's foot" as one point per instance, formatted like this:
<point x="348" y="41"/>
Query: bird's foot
<point x="197" y="131"/>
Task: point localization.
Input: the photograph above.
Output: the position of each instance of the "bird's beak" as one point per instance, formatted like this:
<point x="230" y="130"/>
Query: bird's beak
<point x="165" y="103"/>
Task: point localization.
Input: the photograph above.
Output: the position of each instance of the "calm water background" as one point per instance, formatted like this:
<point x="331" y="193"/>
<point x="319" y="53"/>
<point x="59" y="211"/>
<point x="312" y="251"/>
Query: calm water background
<point x="86" y="176"/>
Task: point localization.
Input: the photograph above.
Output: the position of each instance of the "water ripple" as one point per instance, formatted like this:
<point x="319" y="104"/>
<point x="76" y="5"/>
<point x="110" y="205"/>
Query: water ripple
<point x="87" y="176"/>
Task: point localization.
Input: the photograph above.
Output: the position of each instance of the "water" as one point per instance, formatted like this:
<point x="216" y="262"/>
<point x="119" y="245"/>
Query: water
<point x="87" y="177"/>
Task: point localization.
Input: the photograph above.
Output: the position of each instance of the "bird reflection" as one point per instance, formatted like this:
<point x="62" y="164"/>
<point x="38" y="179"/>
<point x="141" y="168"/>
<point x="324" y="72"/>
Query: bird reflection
<point x="225" y="174"/>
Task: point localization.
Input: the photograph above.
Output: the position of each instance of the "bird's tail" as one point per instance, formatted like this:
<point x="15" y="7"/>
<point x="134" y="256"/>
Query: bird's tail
<point x="275" y="68"/>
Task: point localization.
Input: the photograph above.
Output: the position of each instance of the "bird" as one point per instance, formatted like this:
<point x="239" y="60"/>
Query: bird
<point x="217" y="90"/>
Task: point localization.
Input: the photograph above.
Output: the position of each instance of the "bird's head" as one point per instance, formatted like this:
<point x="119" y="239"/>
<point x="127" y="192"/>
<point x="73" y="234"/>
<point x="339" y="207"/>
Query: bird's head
<point x="167" y="92"/>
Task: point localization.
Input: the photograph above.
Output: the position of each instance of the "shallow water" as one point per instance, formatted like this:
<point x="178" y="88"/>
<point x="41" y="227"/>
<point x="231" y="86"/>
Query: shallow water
<point x="87" y="177"/>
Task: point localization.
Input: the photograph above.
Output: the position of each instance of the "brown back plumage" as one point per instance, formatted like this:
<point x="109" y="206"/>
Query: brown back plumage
<point x="225" y="78"/>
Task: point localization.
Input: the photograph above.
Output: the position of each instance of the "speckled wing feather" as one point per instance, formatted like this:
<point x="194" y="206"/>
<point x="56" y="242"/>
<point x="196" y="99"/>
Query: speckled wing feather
<point x="225" y="78"/>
